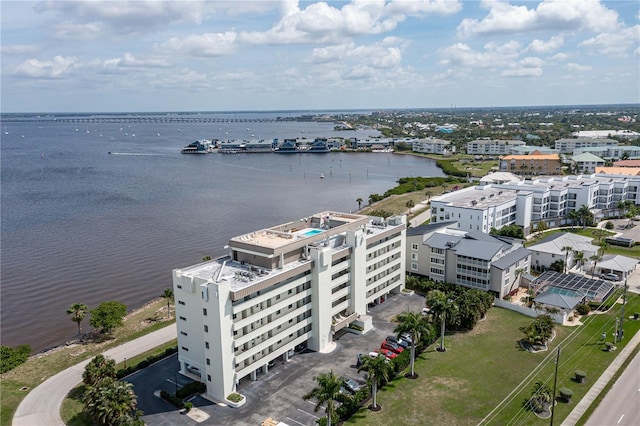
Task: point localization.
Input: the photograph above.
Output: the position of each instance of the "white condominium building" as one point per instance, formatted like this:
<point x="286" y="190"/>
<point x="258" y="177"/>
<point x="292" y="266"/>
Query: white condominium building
<point x="569" y="145"/>
<point x="293" y="284"/>
<point x="431" y="146"/>
<point x="527" y="202"/>
<point x="470" y="259"/>
<point x="492" y="146"/>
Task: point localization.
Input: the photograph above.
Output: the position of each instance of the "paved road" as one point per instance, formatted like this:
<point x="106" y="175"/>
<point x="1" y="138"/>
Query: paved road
<point x="621" y="406"/>
<point x="42" y="405"/>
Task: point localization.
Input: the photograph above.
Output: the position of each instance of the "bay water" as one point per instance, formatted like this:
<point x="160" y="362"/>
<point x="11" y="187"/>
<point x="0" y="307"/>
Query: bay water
<point x="81" y="225"/>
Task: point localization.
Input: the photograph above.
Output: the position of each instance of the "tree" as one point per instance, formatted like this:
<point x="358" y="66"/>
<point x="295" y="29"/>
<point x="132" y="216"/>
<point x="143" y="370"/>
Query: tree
<point x="359" y="201"/>
<point x="410" y="204"/>
<point x="578" y="256"/>
<point x="327" y="391"/>
<point x="442" y="308"/>
<point x="540" y="396"/>
<point x="414" y="324"/>
<point x="585" y="215"/>
<point x="77" y="312"/>
<point x="539" y="331"/>
<point x="519" y="272"/>
<point x="541" y="226"/>
<point x="168" y="295"/>
<point x="108" y="315"/>
<point x="574" y="216"/>
<point x="10" y="357"/>
<point x="97" y="369"/>
<point x="429" y="194"/>
<point x="595" y="259"/>
<point x="112" y="402"/>
<point x="379" y="370"/>
<point x="566" y="250"/>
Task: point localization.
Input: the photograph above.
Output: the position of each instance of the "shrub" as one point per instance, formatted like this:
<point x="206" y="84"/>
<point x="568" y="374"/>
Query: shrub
<point x="583" y="309"/>
<point x="188" y="406"/>
<point x="123" y="372"/>
<point x="176" y="402"/>
<point x="235" y="397"/>
<point x="356" y="327"/>
<point x="580" y="376"/>
<point x="609" y="225"/>
<point x="191" y="389"/>
<point x="566" y="394"/>
<point x="10" y="358"/>
<point x="449" y="169"/>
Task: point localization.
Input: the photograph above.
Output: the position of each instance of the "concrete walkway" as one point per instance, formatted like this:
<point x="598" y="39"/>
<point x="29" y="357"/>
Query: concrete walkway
<point x="602" y="381"/>
<point x="42" y="405"/>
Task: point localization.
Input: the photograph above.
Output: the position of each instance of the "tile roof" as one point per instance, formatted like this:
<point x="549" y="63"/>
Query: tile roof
<point x="631" y="171"/>
<point x="627" y="163"/>
<point x="532" y="156"/>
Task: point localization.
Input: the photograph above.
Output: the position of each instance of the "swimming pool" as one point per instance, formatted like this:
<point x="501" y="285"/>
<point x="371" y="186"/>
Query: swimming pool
<point x="312" y="232"/>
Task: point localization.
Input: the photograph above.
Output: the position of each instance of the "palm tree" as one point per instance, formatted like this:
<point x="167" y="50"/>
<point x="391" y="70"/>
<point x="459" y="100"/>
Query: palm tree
<point x="578" y="256"/>
<point x="112" y="402"/>
<point x="97" y="369"/>
<point x="595" y="258"/>
<point x="410" y="204"/>
<point x="168" y="295"/>
<point x="414" y="324"/>
<point x="604" y="245"/>
<point x="566" y="250"/>
<point x="327" y="391"/>
<point x="518" y="273"/>
<point x="541" y="395"/>
<point x="442" y="308"/>
<point x="584" y="213"/>
<point x="359" y="201"/>
<point x="379" y="370"/>
<point x="574" y="216"/>
<point x="429" y="194"/>
<point x="77" y="312"/>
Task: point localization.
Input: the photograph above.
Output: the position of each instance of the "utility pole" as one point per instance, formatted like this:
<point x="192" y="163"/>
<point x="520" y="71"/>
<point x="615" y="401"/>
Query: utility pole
<point x="624" y="302"/>
<point x="555" y="381"/>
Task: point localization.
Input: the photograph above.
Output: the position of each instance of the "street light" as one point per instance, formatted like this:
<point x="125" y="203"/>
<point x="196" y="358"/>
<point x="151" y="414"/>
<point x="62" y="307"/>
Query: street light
<point x="125" y="362"/>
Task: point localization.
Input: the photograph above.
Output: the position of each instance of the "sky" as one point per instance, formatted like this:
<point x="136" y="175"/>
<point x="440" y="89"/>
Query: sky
<point x="147" y="56"/>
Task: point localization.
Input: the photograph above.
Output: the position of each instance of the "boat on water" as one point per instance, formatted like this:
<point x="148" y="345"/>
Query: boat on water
<point x="321" y="175"/>
<point x="202" y="146"/>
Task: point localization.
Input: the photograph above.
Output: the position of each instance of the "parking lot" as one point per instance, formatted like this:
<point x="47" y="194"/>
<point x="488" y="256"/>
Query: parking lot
<point x="277" y="394"/>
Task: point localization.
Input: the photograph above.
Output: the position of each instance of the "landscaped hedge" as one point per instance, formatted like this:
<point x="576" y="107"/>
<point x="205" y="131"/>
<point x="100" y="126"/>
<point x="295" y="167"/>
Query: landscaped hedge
<point x="191" y="389"/>
<point x="177" y="402"/>
<point x="123" y="372"/>
<point x="449" y="169"/>
<point x="10" y="357"/>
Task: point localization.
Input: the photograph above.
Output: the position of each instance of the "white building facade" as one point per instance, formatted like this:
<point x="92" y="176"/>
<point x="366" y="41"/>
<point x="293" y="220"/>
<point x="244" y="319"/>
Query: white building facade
<point x="281" y="287"/>
<point x="431" y="146"/>
<point x="569" y="145"/>
<point x="527" y="202"/>
<point x="492" y="146"/>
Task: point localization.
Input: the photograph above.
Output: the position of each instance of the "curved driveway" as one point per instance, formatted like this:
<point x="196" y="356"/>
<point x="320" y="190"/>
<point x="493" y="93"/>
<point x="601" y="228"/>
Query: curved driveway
<point x="42" y="405"/>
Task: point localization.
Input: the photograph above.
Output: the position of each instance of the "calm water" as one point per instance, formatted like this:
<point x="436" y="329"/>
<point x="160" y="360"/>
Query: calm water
<point x="79" y="225"/>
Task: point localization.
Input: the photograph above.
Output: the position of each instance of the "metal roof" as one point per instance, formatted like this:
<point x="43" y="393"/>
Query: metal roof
<point x="429" y="227"/>
<point x="511" y="258"/>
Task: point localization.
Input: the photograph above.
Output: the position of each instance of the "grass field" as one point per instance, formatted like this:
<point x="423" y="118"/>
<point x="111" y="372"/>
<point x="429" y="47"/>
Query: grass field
<point x="476" y="168"/>
<point x="481" y="368"/>
<point x="40" y="367"/>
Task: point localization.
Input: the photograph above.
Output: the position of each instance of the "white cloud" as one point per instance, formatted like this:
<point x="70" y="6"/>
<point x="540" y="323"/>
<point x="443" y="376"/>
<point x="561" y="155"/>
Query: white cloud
<point x="385" y="54"/>
<point x="19" y="49"/>
<point x="559" y="57"/>
<point x="129" y="61"/>
<point x="58" y="67"/>
<point x="541" y="46"/>
<point x="423" y="7"/>
<point x="615" y="43"/>
<point x="559" y="15"/>
<point x="522" y="72"/>
<point x="573" y="67"/>
<point x="494" y="54"/>
<point x="206" y="45"/>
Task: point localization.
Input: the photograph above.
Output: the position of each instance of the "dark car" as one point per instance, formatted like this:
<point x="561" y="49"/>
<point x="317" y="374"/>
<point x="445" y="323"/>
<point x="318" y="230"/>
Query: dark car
<point x="392" y="347"/>
<point x="397" y="341"/>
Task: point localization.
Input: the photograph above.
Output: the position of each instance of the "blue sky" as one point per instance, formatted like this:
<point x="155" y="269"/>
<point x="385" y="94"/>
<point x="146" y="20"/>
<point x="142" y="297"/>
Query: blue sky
<point x="111" y="56"/>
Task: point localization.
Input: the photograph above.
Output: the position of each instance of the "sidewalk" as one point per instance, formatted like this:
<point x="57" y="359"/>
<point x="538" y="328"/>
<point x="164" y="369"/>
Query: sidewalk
<point x="42" y="405"/>
<point x="602" y="381"/>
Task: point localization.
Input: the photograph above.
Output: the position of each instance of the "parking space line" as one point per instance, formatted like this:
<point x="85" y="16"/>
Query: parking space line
<point x="315" y="417"/>
<point x="295" y="421"/>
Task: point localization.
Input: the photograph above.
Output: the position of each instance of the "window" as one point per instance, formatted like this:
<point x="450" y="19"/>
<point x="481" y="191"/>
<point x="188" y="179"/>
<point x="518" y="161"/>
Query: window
<point x="183" y="318"/>
<point x="209" y="377"/>
<point x="206" y="345"/>
<point x="179" y="286"/>
<point x="204" y="311"/>
<point x="414" y="246"/>
<point x="414" y="266"/>
<point x="183" y="333"/>
<point x="437" y="271"/>
<point x="208" y="361"/>
<point x="184" y="348"/>
<point x="180" y="302"/>
<point x="206" y="328"/>
<point x="414" y="256"/>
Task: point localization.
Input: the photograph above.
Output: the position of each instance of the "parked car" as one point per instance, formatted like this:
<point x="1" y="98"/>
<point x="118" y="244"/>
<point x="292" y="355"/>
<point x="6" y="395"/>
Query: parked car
<point x="398" y="341"/>
<point x="406" y="337"/>
<point x="351" y="385"/>
<point x="387" y="353"/>
<point x="392" y="347"/>
<point x="611" y="277"/>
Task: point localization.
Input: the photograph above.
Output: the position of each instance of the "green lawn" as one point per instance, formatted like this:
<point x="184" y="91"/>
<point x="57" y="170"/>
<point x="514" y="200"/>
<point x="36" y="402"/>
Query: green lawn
<point x="481" y="368"/>
<point x="476" y="168"/>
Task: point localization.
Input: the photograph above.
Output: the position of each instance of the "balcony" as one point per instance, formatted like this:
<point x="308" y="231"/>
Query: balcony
<point x="339" y="322"/>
